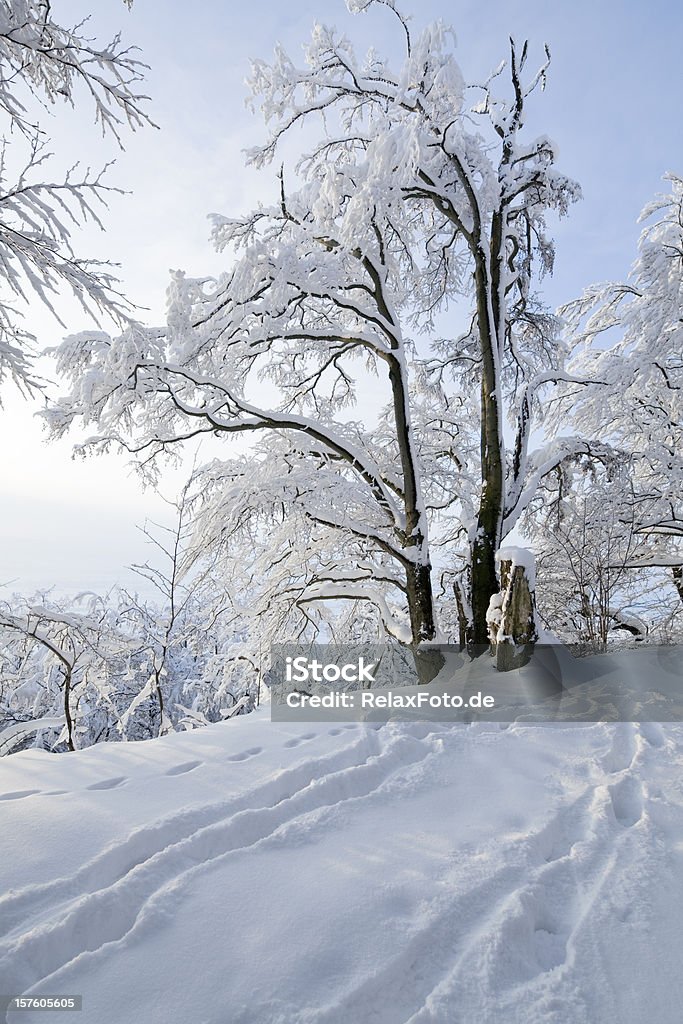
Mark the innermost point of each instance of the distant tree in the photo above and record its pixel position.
(583, 527)
(171, 631)
(94, 669)
(629, 337)
(66, 661)
(44, 63)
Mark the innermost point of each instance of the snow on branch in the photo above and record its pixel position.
(38, 215)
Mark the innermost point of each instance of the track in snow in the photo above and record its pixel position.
(45, 927)
(516, 925)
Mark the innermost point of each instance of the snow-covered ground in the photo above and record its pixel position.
(281, 873)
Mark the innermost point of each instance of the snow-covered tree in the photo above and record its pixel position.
(64, 664)
(421, 192)
(299, 308)
(463, 176)
(71, 676)
(628, 336)
(583, 524)
(183, 629)
(44, 63)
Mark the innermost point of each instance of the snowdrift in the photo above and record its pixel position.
(403, 873)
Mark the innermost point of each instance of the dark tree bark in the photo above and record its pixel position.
(428, 660)
(677, 573)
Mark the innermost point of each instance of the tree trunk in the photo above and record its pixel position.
(484, 586)
(67, 709)
(420, 603)
(677, 573)
(463, 621)
(484, 580)
(428, 663)
(428, 660)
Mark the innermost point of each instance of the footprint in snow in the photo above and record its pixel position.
(245, 754)
(623, 749)
(181, 769)
(300, 739)
(109, 783)
(627, 801)
(19, 794)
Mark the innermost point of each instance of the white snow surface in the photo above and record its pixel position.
(408, 873)
(523, 557)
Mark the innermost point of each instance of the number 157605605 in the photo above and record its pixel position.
(13, 1003)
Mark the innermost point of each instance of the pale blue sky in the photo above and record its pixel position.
(612, 105)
